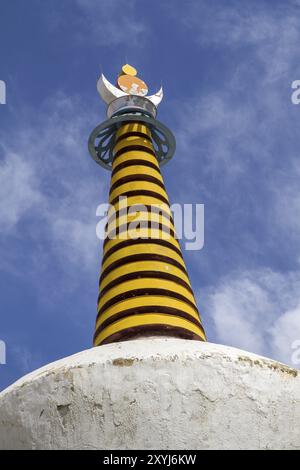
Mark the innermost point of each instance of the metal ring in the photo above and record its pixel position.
(102, 139)
(131, 104)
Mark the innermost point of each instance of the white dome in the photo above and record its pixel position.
(152, 393)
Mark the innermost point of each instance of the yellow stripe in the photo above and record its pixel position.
(145, 283)
(135, 154)
(127, 202)
(148, 319)
(147, 300)
(139, 218)
(143, 233)
(136, 138)
(137, 266)
(184, 305)
(137, 186)
(135, 141)
(142, 248)
(133, 127)
(136, 170)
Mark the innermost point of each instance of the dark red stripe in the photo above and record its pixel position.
(141, 292)
(141, 192)
(134, 162)
(148, 224)
(141, 257)
(127, 243)
(144, 310)
(137, 177)
(133, 134)
(130, 148)
(151, 330)
(131, 210)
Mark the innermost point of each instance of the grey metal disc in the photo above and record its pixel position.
(102, 139)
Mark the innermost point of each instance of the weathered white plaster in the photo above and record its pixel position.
(154, 393)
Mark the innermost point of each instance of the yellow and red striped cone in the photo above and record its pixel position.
(144, 287)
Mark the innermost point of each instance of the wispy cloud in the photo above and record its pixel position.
(239, 149)
(269, 34)
(245, 131)
(25, 358)
(19, 190)
(112, 22)
(109, 22)
(45, 181)
(257, 311)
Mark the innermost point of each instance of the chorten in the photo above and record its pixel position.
(144, 287)
(151, 381)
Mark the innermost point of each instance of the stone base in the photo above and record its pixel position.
(154, 393)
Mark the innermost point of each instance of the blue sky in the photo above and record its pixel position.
(227, 69)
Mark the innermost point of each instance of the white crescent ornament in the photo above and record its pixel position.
(109, 92)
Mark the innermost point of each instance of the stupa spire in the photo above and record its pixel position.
(144, 288)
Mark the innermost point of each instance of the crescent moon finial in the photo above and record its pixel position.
(129, 84)
(156, 99)
(108, 91)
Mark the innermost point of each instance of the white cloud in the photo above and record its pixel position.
(46, 180)
(99, 23)
(111, 22)
(245, 131)
(25, 358)
(245, 135)
(270, 34)
(228, 26)
(285, 332)
(19, 191)
(219, 126)
(257, 311)
(75, 239)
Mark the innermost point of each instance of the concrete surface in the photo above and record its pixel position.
(158, 393)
